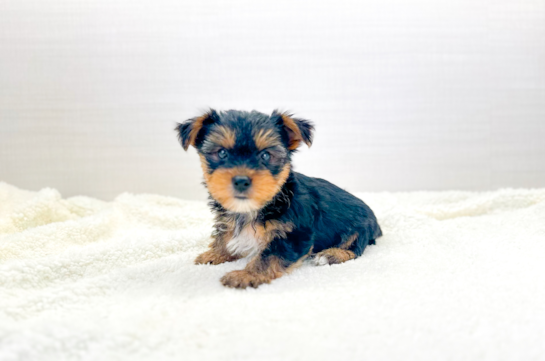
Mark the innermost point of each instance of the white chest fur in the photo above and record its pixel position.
(246, 243)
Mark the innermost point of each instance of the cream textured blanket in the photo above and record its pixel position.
(457, 276)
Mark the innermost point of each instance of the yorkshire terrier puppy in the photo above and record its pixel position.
(265, 210)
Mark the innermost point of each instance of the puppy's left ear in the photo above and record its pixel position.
(298, 130)
(189, 130)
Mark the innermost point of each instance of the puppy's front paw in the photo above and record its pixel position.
(210, 257)
(241, 279)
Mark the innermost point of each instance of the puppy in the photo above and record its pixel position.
(263, 209)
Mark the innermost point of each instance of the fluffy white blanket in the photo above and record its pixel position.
(457, 276)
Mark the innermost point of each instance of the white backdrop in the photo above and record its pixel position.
(406, 94)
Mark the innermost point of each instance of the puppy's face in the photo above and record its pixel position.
(245, 156)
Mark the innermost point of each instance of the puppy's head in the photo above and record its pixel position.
(245, 156)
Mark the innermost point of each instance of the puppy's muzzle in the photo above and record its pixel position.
(241, 183)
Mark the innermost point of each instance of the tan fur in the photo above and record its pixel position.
(196, 128)
(223, 136)
(264, 184)
(218, 252)
(336, 255)
(219, 184)
(258, 271)
(204, 164)
(204, 167)
(276, 229)
(215, 256)
(294, 132)
(266, 138)
(225, 225)
(270, 230)
(255, 237)
(349, 241)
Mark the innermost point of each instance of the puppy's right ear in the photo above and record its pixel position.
(189, 130)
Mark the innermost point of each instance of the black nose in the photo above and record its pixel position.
(241, 183)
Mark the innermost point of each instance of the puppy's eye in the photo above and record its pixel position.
(265, 156)
(222, 153)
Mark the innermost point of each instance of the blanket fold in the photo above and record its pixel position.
(457, 275)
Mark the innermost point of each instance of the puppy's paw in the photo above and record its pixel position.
(332, 256)
(321, 260)
(241, 279)
(211, 257)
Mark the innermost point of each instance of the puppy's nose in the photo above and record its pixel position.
(241, 183)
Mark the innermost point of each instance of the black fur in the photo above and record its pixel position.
(323, 215)
(243, 124)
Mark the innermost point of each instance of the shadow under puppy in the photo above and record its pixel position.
(263, 209)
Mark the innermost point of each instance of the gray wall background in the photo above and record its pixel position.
(406, 94)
